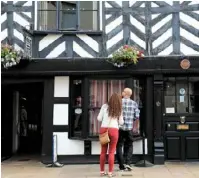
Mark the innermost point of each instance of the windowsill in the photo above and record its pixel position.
(67, 32)
(180, 114)
(96, 138)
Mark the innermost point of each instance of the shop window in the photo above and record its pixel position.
(100, 92)
(76, 108)
(194, 94)
(181, 95)
(87, 97)
(68, 15)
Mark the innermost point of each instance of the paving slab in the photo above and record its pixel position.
(34, 169)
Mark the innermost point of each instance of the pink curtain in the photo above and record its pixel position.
(100, 91)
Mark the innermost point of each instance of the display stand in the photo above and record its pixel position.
(55, 162)
(144, 162)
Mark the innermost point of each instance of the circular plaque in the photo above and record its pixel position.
(182, 91)
(185, 64)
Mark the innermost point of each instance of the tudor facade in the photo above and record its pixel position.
(69, 60)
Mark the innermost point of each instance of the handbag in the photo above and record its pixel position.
(104, 137)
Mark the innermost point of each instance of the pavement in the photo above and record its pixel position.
(35, 169)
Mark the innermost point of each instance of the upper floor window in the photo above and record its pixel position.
(68, 15)
(181, 95)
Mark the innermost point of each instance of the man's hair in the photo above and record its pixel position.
(128, 91)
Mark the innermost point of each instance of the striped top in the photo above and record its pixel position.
(105, 119)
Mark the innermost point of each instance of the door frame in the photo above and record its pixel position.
(47, 125)
(172, 116)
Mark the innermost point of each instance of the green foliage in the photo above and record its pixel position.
(10, 56)
(126, 55)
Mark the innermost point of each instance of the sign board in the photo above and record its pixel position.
(185, 64)
(183, 127)
(28, 47)
(170, 110)
(182, 91)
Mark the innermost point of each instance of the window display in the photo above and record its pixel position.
(181, 94)
(100, 91)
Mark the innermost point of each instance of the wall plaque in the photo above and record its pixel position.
(185, 64)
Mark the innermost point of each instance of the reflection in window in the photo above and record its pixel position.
(100, 92)
(71, 15)
(194, 94)
(88, 15)
(169, 102)
(170, 86)
(77, 108)
(181, 95)
(136, 96)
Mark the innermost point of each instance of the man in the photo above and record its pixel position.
(131, 115)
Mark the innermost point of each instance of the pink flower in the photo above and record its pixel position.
(140, 54)
(125, 47)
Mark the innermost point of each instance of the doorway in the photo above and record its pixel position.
(181, 118)
(6, 122)
(25, 120)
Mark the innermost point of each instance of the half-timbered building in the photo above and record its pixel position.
(61, 89)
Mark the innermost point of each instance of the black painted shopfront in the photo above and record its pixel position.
(170, 108)
(181, 117)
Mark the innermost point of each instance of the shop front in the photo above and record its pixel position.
(181, 117)
(75, 89)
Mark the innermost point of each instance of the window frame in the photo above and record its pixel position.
(59, 17)
(177, 95)
(85, 101)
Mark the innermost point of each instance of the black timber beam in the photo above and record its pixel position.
(82, 66)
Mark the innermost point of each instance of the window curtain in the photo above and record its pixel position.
(100, 92)
(43, 15)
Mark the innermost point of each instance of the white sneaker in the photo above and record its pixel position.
(128, 167)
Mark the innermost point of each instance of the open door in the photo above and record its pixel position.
(6, 121)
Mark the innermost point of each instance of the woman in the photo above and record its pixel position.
(111, 117)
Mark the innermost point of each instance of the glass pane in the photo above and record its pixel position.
(77, 108)
(88, 15)
(68, 15)
(94, 124)
(169, 104)
(137, 92)
(100, 91)
(181, 86)
(77, 90)
(194, 85)
(182, 104)
(77, 121)
(98, 97)
(47, 15)
(169, 86)
(194, 104)
(115, 86)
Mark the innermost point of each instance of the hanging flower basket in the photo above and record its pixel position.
(10, 57)
(125, 56)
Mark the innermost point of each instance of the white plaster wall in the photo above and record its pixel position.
(60, 111)
(137, 147)
(68, 147)
(60, 114)
(61, 86)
